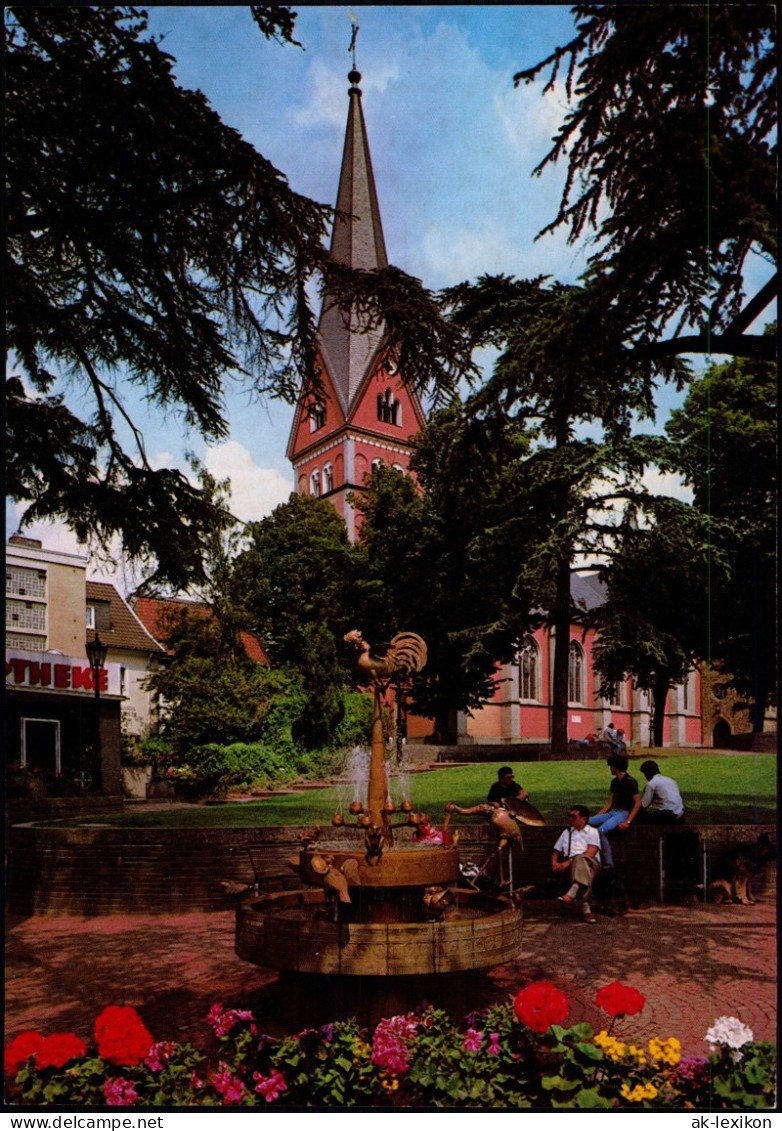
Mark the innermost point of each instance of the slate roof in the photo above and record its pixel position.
(151, 611)
(357, 242)
(588, 591)
(126, 631)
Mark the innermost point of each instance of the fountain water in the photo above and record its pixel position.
(375, 926)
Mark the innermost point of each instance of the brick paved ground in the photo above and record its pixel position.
(693, 963)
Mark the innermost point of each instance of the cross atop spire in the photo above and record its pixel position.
(354, 34)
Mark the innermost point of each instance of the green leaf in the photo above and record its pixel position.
(560, 1083)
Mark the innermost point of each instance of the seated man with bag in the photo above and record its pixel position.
(577, 852)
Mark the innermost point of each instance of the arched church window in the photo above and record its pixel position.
(575, 691)
(529, 670)
(377, 464)
(315, 483)
(328, 478)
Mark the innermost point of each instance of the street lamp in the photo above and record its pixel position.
(96, 654)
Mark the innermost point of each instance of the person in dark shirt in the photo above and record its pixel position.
(504, 787)
(619, 811)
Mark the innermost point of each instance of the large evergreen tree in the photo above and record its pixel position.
(670, 146)
(151, 251)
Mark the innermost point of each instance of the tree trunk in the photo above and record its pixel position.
(759, 706)
(559, 696)
(659, 699)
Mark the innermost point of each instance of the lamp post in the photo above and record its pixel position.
(96, 654)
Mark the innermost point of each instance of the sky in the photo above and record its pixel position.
(453, 143)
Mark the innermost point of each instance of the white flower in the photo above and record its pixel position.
(728, 1032)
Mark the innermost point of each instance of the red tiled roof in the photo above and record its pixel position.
(151, 611)
(126, 630)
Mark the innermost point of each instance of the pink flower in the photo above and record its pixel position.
(159, 1055)
(230, 1087)
(540, 1005)
(494, 1044)
(119, 1092)
(618, 1000)
(472, 1040)
(270, 1086)
(389, 1044)
(223, 1020)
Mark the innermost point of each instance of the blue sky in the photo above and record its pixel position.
(453, 146)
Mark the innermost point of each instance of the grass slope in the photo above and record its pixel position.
(717, 789)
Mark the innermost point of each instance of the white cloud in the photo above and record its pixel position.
(531, 118)
(255, 491)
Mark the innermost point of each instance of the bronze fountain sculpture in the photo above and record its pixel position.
(375, 926)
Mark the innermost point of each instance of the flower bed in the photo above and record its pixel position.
(513, 1055)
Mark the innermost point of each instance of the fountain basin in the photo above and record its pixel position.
(294, 931)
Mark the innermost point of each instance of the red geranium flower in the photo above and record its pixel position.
(122, 1036)
(618, 1000)
(20, 1049)
(59, 1049)
(539, 1005)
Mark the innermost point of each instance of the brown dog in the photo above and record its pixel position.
(734, 872)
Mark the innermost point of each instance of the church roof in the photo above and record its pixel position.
(357, 242)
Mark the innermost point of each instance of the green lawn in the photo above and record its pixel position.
(717, 789)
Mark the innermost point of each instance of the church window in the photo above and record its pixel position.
(575, 691)
(529, 667)
(328, 478)
(616, 694)
(377, 464)
(315, 483)
(389, 410)
(317, 416)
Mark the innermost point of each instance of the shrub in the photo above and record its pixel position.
(495, 1061)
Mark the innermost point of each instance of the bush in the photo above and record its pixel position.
(495, 1061)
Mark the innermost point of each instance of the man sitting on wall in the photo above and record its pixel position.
(504, 787)
(577, 852)
(661, 801)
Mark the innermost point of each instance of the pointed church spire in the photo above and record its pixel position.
(357, 242)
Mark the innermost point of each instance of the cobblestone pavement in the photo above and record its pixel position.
(693, 963)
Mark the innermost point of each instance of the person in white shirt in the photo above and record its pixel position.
(577, 852)
(661, 801)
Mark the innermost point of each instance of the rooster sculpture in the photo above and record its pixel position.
(404, 655)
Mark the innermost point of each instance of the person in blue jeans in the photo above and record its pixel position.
(619, 811)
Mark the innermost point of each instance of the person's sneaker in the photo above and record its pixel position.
(568, 899)
(590, 918)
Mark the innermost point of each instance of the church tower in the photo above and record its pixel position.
(364, 414)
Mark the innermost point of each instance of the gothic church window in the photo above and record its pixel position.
(328, 478)
(575, 692)
(315, 483)
(529, 666)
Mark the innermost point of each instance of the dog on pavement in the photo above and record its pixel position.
(734, 872)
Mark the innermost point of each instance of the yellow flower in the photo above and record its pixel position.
(668, 1052)
(639, 1093)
